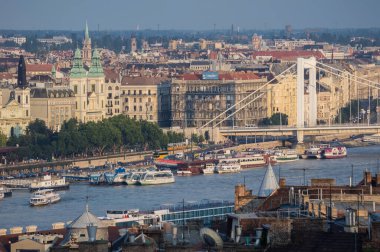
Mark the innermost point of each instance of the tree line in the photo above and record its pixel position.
(116, 134)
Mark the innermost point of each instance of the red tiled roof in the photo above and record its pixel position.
(288, 55)
(6, 76)
(39, 67)
(238, 76)
(223, 76)
(142, 80)
(191, 76)
(111, 74)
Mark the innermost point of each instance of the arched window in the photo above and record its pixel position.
(109, 88)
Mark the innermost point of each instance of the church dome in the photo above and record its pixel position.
(86, 219)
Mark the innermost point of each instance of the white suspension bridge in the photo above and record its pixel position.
(306, 123)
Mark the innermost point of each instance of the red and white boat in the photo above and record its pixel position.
(334, 152)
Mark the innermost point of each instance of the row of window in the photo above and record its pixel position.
(140, 92)
(140, 100)
(140, 108)
(93, 88)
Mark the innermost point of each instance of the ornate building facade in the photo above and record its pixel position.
(89, 89)
(196, 99)
(15, 104)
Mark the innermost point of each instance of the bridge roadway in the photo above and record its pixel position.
(300, 132)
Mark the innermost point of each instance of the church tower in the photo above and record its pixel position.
(96, 89)
(86, 51)
(78, 83)
(133, 44)
(22, 90)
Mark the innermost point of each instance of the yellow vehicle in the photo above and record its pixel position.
(177, 146)
(160, 154)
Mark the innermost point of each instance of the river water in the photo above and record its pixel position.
(15, 211)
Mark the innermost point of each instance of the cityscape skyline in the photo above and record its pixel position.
(189, 15)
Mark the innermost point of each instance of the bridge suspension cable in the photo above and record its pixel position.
(245, 105)
(245, 98)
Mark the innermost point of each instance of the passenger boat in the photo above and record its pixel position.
(96, 178)
(116, 177)
(228, 166)
(48, 182)
(252, 161)
(6, 192)
(314, 152)
(44, 197)
(133, 178)
(184, 172)
(193, 167)
(334, 152)
(156, 178)
(286, 155)
(204, 210)
(209, 168)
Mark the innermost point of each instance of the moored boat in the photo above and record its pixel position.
(48, 182)
(156, 178)
(286, 155)
(209, 168)
(230, 165)
(133, 178)
(334, 152)
(6, 192)
(314, 152)
(116, 177)
(252, 161)
(44, 197)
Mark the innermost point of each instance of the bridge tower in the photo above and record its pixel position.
(309, 64)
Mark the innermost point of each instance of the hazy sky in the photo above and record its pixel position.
(187, 14)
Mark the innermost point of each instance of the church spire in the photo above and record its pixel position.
(86, 51)
(86, 35)
(21, 74)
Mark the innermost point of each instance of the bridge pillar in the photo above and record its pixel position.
(300, 136)
(303, 64)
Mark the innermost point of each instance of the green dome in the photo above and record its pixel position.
(96, 69)
(77, 71)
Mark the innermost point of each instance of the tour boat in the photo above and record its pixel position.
(96, 178)
(184, 172)
(194, 167)
(116, 177)
(5, 191)
(252, 161)
(48, 182)
(334, 152)
(286, 155)
(228, 166)
(44, 197)
(314, 152)
(209, 168)
(156, 178)
(133, 178)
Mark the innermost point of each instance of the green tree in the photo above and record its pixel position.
(3, 139)
(207, 135)
(279, 119)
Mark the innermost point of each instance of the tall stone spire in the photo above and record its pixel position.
(86, 36)
(21, 74)
(86, 51)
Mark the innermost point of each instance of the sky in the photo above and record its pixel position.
(187, 14)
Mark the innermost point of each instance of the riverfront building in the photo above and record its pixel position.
(198, 98)
(15, 104)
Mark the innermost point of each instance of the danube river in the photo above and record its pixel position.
(15, 211)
